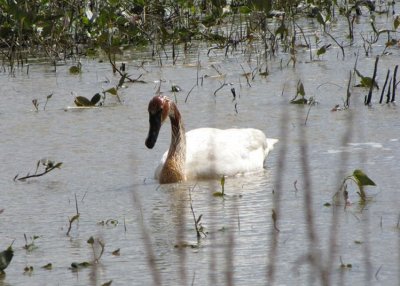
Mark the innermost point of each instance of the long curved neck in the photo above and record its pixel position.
(174, 166)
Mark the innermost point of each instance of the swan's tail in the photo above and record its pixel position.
(270, 144)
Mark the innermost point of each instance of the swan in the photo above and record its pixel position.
(205, 152)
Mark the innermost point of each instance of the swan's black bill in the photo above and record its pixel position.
(155, 125)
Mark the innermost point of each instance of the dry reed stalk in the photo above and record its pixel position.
(273, 254)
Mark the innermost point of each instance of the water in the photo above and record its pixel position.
(109, 170)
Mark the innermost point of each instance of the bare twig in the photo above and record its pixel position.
(48, 170)
(369, 97)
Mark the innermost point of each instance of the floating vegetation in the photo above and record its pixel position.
(83, 101)
(30, 246)
(75, 266)
(116, 252)
(108, 222)
(77, 69)
(48, 266)
(28, 269)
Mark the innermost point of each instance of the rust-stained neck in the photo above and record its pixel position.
(174, 166)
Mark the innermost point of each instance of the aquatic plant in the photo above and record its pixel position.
(361, 180)
(30, 246)
(73, 218)
(222, 192)
(82, 101)
(197, 220)
(35, 102)
(96, 242)
(5, 258)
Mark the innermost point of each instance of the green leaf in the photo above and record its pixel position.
(218, 194)
(90, 240)
(48, 266)
(6, 257)
(362, 179)
(95, 99)
(321, 51)
(82, 101)
(396, 22)
(299, 101)
(112, 91)
(300, 89)
(107, 283)
(74, 70)
(58, 165)
(321, 19)
(282, 30)
(244, 10)
(116, 252)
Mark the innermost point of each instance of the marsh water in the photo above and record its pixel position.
(108, 173)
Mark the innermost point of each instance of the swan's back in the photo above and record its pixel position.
(212, 153)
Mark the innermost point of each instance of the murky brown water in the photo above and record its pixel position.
(108, 168)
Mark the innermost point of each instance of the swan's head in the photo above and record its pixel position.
(158, 112)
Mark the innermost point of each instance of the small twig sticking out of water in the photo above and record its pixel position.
(47, 99)
(377, 272)
(337, 43)
(246, 75)
(197, 68)
(218, 89)
(398, 221)
(84, 196)
(394, 83)
(76, 205)
(75, 217)
(295, 187)
(275, 220)
(304, 37)
(389, 91)
(187, 96)
(35, 104)
(348, 92)
(369, 97)
(233, 93)
(196, 220)
(151, 257)
(384, 86)
(71, 220)
(48, 169)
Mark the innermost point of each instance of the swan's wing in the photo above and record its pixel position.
(214, 152)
